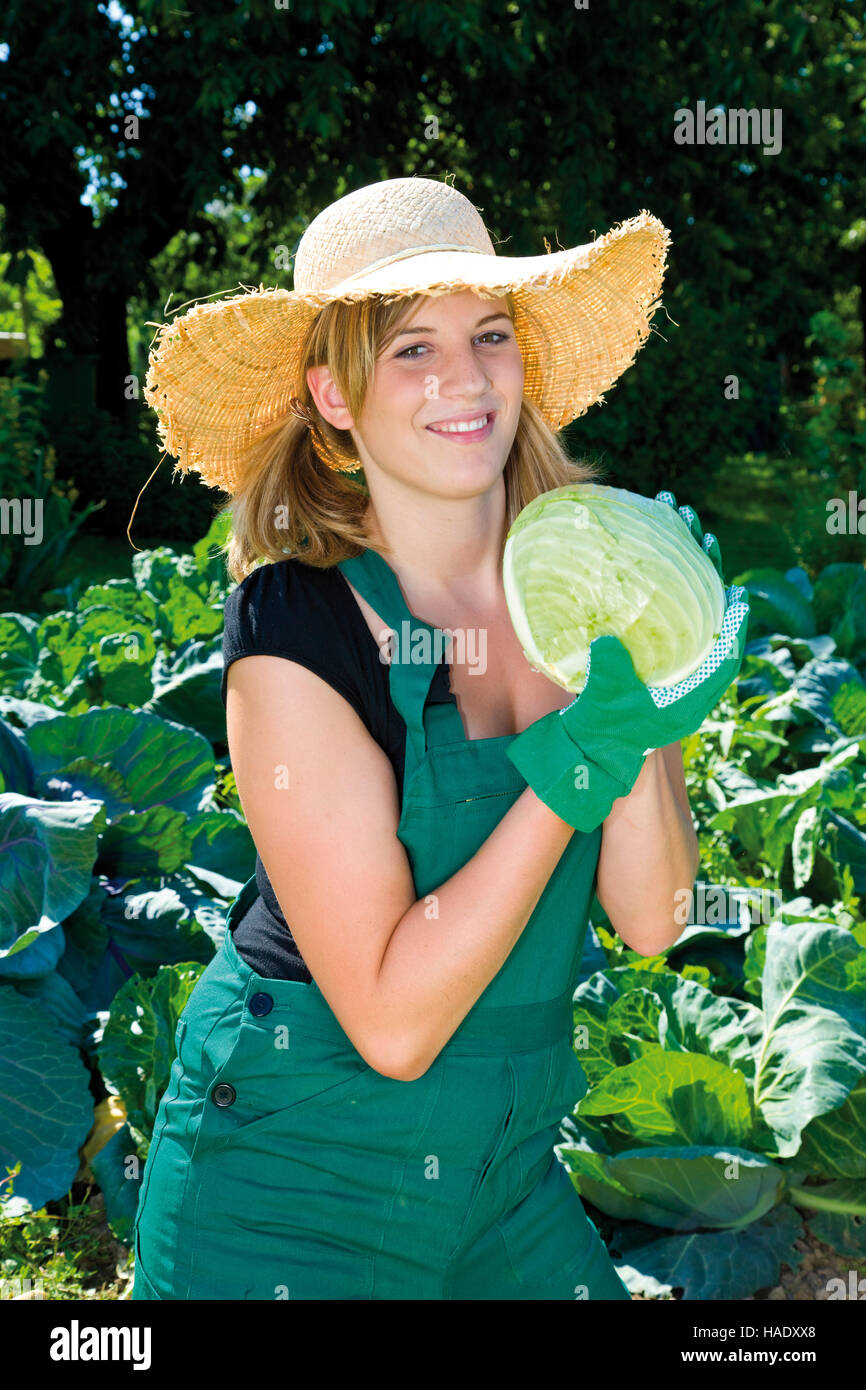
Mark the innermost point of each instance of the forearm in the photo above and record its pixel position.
(446, 949)
(649, 852)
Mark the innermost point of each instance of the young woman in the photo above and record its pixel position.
(371, 1072)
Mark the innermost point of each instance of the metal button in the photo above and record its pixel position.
(261, 1004)
(224, 1094)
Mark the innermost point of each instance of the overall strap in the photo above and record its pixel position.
(416, 651)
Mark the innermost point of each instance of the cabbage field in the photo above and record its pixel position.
(727, 1099)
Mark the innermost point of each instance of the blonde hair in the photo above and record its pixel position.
(294, 504)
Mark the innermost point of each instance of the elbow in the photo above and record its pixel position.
(415, 1071)
(650, 943)
(401, 1073)
(650, 938)
(411, 1069)
(398, 1064)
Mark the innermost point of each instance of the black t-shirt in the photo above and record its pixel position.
(309, 615)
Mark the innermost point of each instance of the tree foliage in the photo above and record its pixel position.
(208, 139)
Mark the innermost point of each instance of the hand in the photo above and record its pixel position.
(617, 695)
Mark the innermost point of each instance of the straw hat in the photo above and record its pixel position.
(221, 372)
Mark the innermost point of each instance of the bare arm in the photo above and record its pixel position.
(321, 802)
(649, 852)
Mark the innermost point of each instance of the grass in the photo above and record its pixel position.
(64, 1251)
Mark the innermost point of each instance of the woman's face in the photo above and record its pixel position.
(442, 407)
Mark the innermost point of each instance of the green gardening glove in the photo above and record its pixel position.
(580, 759)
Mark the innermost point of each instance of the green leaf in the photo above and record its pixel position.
(592, 1001)
(800, 580)
(696, 1020)
(633, 1022)
(761, 819)
(19, 648)
(813, 1052)
(37, 959)
(834, 1144)
(47, 852)
(155, 841)
(86, 942)
(117, 1169)
(848, 709)
(840, 607)
(777, 605)
(185, 589)
(843, 1195)
(25, 713)
(675, 1096)
(60, 1002)
(153, 925)
(684, 1188)
(187, 688)
(85, 778)
(125, 660)
(162, 763)
(129, 604)
(16, 768)
(846, 1234)
(847, 847)
(709, 1265)
(185, 614)
(138, 1044)
(220, 842)
(830, 690)
(47, 1107)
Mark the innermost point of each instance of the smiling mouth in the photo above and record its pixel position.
(465, 429)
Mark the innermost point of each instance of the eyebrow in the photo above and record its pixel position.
(417, 328)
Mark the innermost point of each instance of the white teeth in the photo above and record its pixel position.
(462, 426)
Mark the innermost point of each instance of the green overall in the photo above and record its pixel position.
(283, 1166)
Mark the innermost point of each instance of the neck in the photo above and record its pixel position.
(442, 550)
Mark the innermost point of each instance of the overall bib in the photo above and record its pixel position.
(283, 1166)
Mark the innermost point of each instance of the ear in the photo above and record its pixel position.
(329, 402)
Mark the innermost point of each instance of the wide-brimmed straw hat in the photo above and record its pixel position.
(223, 371)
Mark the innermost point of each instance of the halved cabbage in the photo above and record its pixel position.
(586, 560)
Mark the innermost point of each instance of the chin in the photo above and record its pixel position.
(467, 465)
(468, 481)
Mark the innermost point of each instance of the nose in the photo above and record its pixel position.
(463, 374)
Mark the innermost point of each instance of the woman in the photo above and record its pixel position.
(365, 1106)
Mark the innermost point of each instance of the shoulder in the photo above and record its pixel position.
(307, 614)
(269, 584)
(284, 601)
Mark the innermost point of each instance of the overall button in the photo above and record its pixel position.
(224, 1094)
(261, 1004)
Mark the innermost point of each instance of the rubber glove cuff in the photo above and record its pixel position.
(579, 788)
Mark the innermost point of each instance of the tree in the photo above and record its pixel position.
(557, 122)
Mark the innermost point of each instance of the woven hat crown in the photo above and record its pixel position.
(385, 223)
